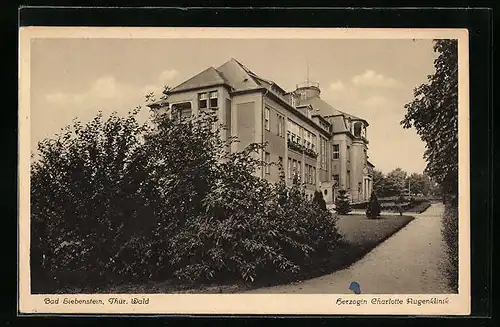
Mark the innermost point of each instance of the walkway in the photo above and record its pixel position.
(409, 262)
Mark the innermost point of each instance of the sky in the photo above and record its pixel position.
(372, 79)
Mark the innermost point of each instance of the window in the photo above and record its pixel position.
(322, 153)
(348, 154)
(202, 101)
(299, 168)
(266, 120)
(181, 110)
(313, 141)
(357, 129)
(267, 159)
(348, 180)
(281, 126)
(213, 100)
(310, 174)
(295, 132)
(308, 139)
(290, 171)
(336, 151)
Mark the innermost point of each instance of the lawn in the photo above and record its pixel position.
(360, 236)
(360, 232)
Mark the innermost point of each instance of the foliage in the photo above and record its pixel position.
(419, 184)
(113, 201)
(434, 114)
(396, 181)
(450, 234)
(319, 200)
(87, 204)
(342, 203)
(374, 208)
(380, 183)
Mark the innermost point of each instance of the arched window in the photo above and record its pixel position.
(358, 127)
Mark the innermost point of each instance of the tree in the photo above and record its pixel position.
(380, 183)
(113, 201)
(87, 196)
(419, 183)
(319, 200)
(395, 182)
(342, 203)
(374, 208)
(434, 114)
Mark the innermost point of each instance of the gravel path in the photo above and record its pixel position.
(409, 262)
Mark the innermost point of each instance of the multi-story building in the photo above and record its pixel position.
(323, 148)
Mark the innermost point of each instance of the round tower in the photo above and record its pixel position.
(308, 90)
(359, 149)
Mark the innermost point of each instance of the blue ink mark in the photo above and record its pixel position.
(355, 288)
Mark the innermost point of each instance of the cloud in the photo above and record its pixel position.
(377, 101)
(64, 98)
(104, 88)
(374, 79)
(107, 87)
(337, 86)
(167, 76)
(107, 90)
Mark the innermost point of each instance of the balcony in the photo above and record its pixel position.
(292, 145)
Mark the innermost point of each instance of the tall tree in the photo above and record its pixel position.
(434, 114)
(396, 181)
(419, 183)
(380, 184)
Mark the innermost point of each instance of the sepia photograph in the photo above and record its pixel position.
(246, 165)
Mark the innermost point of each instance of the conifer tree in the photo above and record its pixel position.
(373, 210)
(342, 203)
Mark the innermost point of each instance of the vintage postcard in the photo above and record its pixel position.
(243, 171)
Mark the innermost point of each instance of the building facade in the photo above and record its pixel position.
(315, 144)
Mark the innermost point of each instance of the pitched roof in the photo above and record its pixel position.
(351, 116)
(209, 76)
(237, 75)
(321, 107)
(247, 78)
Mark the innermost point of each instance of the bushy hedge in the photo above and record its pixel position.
(115, 202)
(450, 235)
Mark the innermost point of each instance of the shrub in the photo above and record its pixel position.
(319, 200)
(342, 203)
(89, 212)
(450, 235)
(374, 208)
(116, 202)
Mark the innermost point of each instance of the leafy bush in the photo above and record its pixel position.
(89, 205)
(450, 235)
(116, 202)
(342, 203)
(374, 208)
